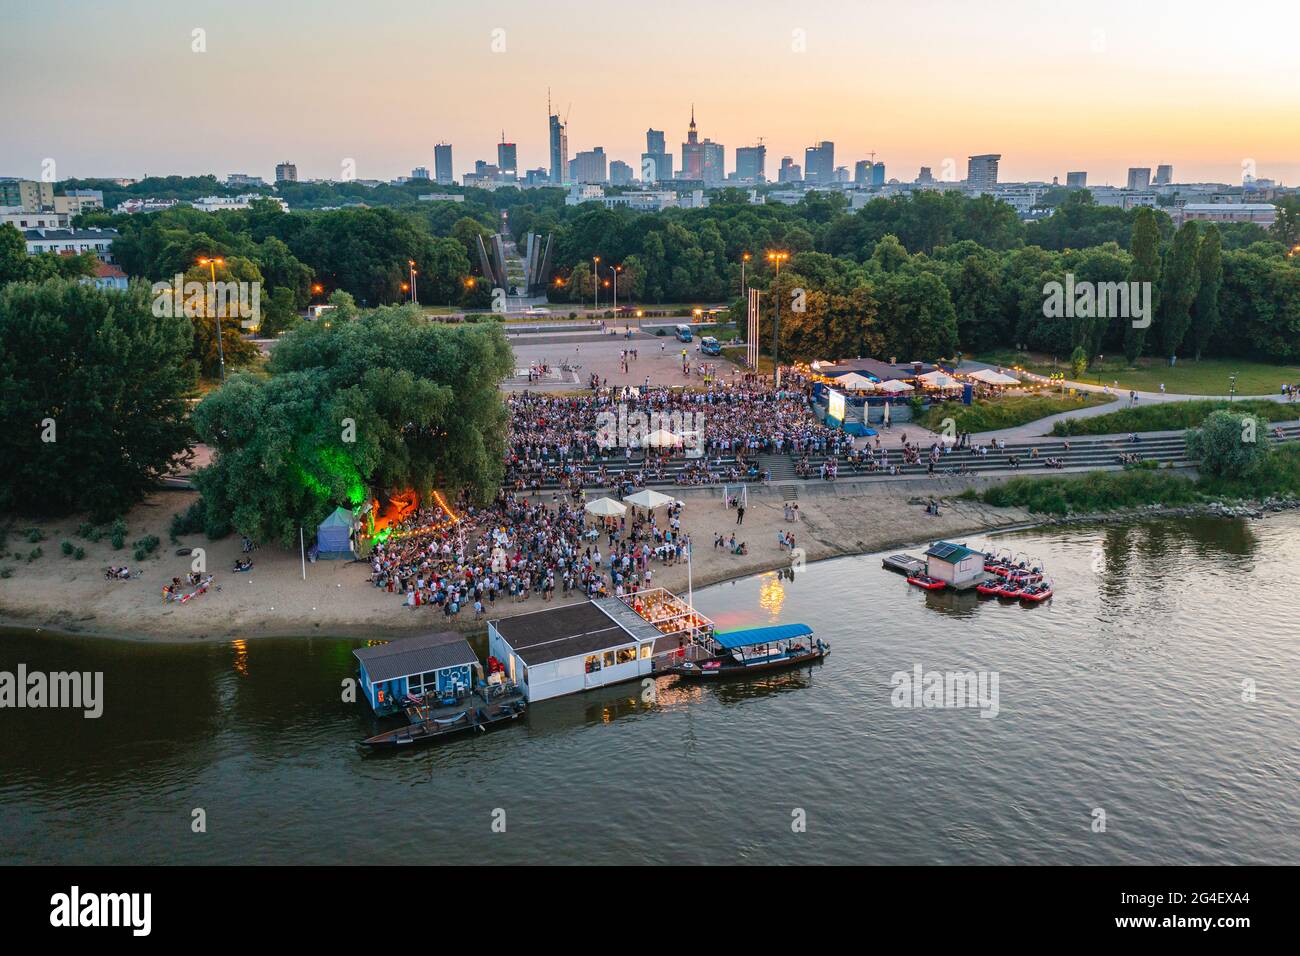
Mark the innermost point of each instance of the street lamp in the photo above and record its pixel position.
(212, 264)
(410, 264)
(595, 274)
(777, 258)
(743, 259)
(616, 270)
(1232, 385)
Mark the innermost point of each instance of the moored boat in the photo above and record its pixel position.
(926, 582)
(754, 650)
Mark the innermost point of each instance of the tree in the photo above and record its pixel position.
(92, 386)
(1078, 362)
(1228, 445)
(352, 409)
(1205, 311)
(1179, 287)
(1145, 249)
(206, 308)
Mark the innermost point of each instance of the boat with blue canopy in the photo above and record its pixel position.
(754, 649)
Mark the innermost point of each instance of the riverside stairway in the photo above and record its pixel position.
(1167, 449)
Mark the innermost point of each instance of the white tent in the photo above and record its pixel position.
(662, 437)
(857, 383)
(990, 377)
(894, 385)
(649, 499)
(938, 379)
(606, 507)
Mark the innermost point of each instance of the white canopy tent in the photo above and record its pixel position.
(649, 499)
(938, 379)
(856, 383)
(894, 386)
(606, 508)
(662, 437)
(990, 377)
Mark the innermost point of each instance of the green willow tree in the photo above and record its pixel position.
(1145, 249)
(92, 386)
(387, 402)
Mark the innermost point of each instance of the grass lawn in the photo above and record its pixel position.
(1168, 416)
(990, 414)
(1206, 377)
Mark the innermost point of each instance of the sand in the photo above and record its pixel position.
(58, 593)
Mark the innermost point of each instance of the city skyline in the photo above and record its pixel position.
(792, 78)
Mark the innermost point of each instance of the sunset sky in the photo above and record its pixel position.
(115, 89)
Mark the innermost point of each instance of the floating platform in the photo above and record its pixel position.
(904, 564)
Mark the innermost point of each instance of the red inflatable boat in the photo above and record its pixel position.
(926, 582)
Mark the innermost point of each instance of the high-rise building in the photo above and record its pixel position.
(1076, 180)
(506, 158)
(656, 161)
(559, 140)
(1164, 175)
(421, 173)
(620, 173)
(27, 194)
(925, 177)
(982, 171)
(442, 170)
(692, 152)
(790, 171)
(862, 172)
(589, 166)
(1139, 177)
(286, 172)
(751, 163)
(877, 174)
(819, 163)
(715, 161)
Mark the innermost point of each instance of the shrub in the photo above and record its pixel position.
(1229, 445)
(78, 553)
(34, 554)
(35, 534)
(189, 521)
(66, 547)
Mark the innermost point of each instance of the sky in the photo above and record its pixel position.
(128, 88)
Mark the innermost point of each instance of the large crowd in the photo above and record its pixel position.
(519, 548)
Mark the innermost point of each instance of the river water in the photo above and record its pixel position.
(1124, 696)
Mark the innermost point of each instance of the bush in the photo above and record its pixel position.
(34, 554)
(78, 553)
(189, 521)
(1095, 491)
(35, 534)
(7, 573)
(1168, 416)
(117, 534)
(141, 554)
(66, 547)
(1229, 445)
(148, 544)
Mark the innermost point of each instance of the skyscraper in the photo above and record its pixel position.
(656, 161)
(862, 172)
(559, 140)
(507, 162)
(925, 177)
(715, 161)
(982, 171)
(442, 170)
(790, 171)
(819, 163)
(1164, 175)
(692, 152)
(1076, 180)
(286, 172)
(1139, 177)
(751, 163)
(877, 174)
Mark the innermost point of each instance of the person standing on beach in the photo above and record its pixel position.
(740, 515)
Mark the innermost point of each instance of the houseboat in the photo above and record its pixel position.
(438, 684)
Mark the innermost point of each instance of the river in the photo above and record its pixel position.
(1124, 696)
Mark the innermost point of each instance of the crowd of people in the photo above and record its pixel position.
(518, 548)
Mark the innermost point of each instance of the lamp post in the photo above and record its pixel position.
(595, 274)
(616, 270)
(410, 264)
(777, 258)
(212, 264)
(1232, 385)
(744, 257)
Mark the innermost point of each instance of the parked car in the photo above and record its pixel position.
(710, 346)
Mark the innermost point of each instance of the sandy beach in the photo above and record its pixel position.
(57, 593)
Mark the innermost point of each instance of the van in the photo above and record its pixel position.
(683, 333)
(710, 346)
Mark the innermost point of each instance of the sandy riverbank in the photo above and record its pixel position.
(58, 593)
